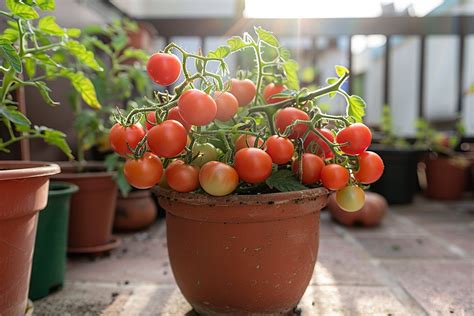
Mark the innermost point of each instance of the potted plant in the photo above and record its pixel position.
(443, 171)
(399, 182)
(26, 46)
(242, 229)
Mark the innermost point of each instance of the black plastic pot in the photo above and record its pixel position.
(399, 182)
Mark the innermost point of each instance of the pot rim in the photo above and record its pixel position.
(82, 175)
(251, 199)
(61, 188)
(16, 169)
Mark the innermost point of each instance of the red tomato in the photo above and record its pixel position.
(197, 107)
(350, 198)
(145, 172)
(272, 89)
(150, 120)
(312, 166)
(244, 90)
(314, 144)
(174, 114)
(227, 105)
(286, 116)
(370, 167)
(253, 165)
(246, 141)
(358, 137)
(334, 177)
(167, 139)
(121, 138)
(280, 149)
(182, 177)
(218, 179)
(164, 69)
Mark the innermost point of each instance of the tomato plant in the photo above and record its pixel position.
(145, 172)
(370, 167)
(123, 138)
(182, 177)
(281, 149)
(270, 90)
(315, 144)
(311, 167)
(218, 178)
(174, 114)
(334, 176)
(356, 137)
(285, 117)
(247, 141)
(253, 165)
(227, 105)
(197, 107)
(167, 139)
(203, 153)
(243, 90)
(164, 69)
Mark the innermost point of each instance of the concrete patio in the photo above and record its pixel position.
(419, 262)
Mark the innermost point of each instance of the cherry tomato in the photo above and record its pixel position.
(197, 107)
(281, 149)
(174, 114)
(334, 176)
(286, 116)
(246, 141)
(350, 198)
(227, 105)
(253, 165)
(244, 90)
(150, 120)
(207, 152)
(218, 179)
(272, 89)
(370, 167)
(312, 166)
(121, 137)
(145, 172)
(164, 69)
(314, 143)
(358, 137)
(182, 177)
(167, 139)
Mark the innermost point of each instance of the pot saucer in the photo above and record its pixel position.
(115, 242)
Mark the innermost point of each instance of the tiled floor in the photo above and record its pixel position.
(418, 262)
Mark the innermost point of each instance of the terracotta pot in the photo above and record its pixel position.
(92, 208)
(136, 211)
(446, 178)
(23, 192)
(245, 254)
(371, 214)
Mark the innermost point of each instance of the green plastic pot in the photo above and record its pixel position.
(49, 258)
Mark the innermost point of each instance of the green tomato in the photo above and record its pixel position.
(207, 152)
(351, 198)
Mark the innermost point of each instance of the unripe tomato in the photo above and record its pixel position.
(314, 143)
(272, 89)
(197, 107)
(145, 172)
(370, 167)
(312, 166)
(285, 117)
(218, 179)
(350, 198)
(227, 105)
(246, 141)
(253, 165)
(281, 149)
(244, 90)
(182, 177)
(207, 152)
(334, 176)
(357, 136)
(164, 69)
(174, 114)
(167, 139)
(121, 137)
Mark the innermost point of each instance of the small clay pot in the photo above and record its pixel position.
(446, 178)
(23, 193)
(136, 211)
(371, 214)
(243, 254)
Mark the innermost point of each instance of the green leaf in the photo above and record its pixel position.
(82, 54)
(10, 54)
(22, 10)
(73, 32)
(356, 107)
(46, 4)
(44, 91)
(84, 86)
(284, 181)
(135, 53)
(58, 139)
(285, 53)
(15, 116)
(236, 43)
(10, 34)
(341, 71)
(30, 67)
(220, 52)
(331, 80)
(267, 37)
(119, 42)
(291, 70)
(48, 25)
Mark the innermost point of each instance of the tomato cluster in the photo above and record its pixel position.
(174, 150)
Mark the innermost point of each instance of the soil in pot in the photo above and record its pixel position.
(23, 192)
(446, 178)
(245, 254)
(136, 211)
(92, 208)
(49, 259)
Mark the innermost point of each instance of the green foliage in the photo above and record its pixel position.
(284, 181)
(428, 138)
(114, 162)
(387, 129)
(356, 107)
